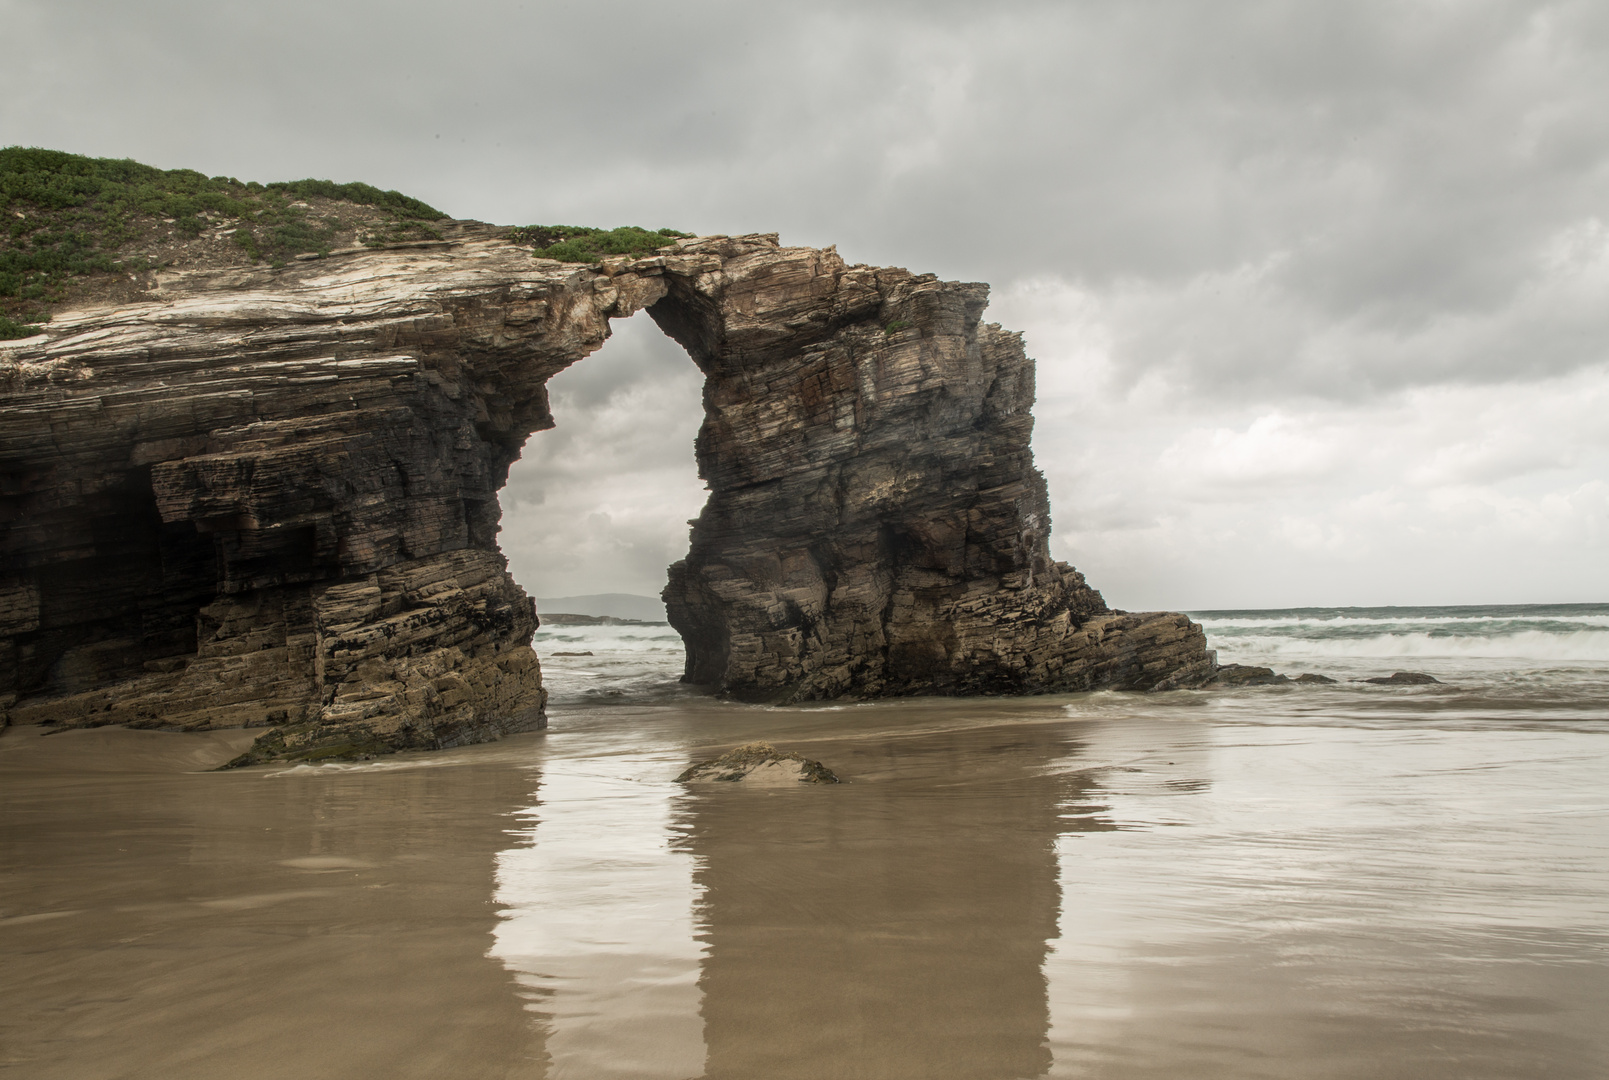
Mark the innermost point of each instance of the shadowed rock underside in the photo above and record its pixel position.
(269, 497)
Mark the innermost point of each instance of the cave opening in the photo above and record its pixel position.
(121, 601)
(597, 508)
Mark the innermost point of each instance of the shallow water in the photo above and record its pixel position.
(1347, 881)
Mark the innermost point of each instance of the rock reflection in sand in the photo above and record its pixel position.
(598, 923)
(1101, 886)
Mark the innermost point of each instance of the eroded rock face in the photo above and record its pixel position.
(875, 523)
(269, 497)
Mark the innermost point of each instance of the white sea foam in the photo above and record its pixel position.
(1531, 635)
(1349, 621)
(1528, 645)
(636, 664)
(649, 638)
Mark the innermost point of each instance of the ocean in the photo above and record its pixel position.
(1493, 659)
(1335, 881)
(1463, 641)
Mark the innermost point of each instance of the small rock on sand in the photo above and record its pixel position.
(1403, 678)
(761, 764)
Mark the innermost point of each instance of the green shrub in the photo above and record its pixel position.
(581, 244)
(10, 329)
(398, 204)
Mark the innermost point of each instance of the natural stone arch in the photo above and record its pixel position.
(315, 455)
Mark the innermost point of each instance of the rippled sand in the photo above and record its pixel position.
(1266, 883)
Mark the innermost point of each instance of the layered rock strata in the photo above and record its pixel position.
(269, 497)
(875, 523)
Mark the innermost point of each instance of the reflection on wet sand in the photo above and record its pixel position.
(157, 921)
(892, 926)
(598, 920)
(1097, 886)
(1025, 890)
(1279, 903)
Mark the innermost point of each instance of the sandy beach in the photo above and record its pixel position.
(1274, 882)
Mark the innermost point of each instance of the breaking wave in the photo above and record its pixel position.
(1530, 634)
(606, 665)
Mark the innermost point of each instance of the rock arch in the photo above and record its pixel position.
(269, 497)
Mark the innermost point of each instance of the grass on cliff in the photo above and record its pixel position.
(580, 244)
(11, 329)
(65, 218)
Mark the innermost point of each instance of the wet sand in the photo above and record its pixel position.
(157, 921)
(1104, 886)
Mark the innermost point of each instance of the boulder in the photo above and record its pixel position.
(760, 764)
(1246, 675)
(1403, 678)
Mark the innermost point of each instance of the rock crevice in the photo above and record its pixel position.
(269, 497)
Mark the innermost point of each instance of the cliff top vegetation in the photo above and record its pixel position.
(582, 244)
(77, 229)
(70, 223)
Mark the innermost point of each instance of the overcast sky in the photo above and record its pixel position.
(1319, 292)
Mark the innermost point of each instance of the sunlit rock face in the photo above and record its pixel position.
(269, 497)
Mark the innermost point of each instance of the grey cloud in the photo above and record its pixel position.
(1263, 205)
(635, 354)
(600, 503)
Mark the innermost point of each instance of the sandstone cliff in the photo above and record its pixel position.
(269, 497)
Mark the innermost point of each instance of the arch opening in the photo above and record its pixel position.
(597, 508)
